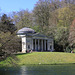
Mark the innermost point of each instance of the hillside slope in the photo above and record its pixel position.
(36, 58)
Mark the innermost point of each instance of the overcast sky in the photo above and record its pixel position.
(7, 6)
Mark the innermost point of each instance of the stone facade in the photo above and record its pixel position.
(35, 41)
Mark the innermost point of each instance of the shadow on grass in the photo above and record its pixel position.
(22, 54)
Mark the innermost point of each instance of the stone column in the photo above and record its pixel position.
(24, 44)
(32, 44)
(42, 44)
(38, 44)
(35, 44)
(52, 46)
(45, 45)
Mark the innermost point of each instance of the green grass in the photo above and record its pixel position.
(36, 58)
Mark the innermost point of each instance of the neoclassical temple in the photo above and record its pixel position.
(35, 41)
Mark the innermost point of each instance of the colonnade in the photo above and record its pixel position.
(39, 44)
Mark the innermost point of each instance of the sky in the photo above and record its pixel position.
(7, 6)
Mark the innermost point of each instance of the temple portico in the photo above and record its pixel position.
(39, 44)
(35, 41)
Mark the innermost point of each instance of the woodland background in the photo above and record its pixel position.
(54, 18)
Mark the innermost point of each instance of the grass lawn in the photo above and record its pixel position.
(36, 58)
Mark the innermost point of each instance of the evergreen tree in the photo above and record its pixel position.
(6, 24)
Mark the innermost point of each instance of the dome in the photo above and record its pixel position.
(25, 30)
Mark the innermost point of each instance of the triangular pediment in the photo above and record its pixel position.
(39, 35)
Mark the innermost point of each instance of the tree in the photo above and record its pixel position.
(7, 30)
(72, 34)
(65, 17)
(61, 38)
(9, 44)
(6, 24)
(45, 17)
(42, 14)
(22, 19)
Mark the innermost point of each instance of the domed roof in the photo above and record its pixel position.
(25, 30)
